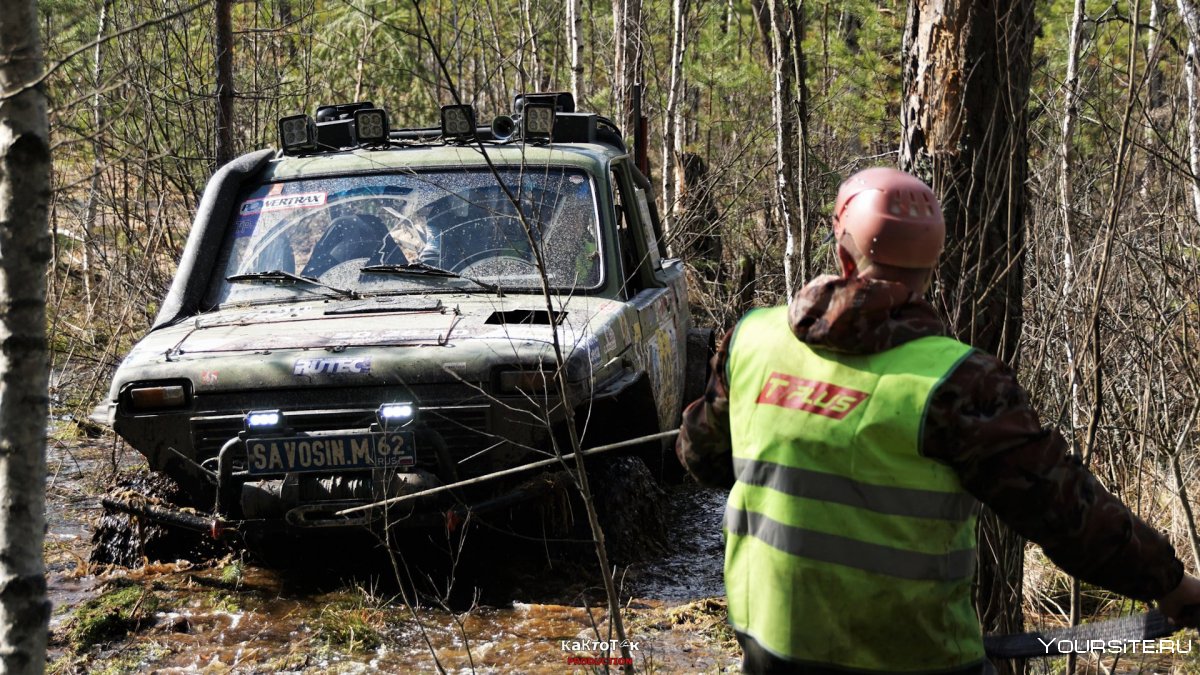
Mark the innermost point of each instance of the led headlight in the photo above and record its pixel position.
(297, 133)
(264, 420)
(458, 121)
(371, 125)
(392, 415)
(537, 122)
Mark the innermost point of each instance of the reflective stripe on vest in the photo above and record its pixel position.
(844, 546)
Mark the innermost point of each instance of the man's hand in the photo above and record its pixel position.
(1182, 605)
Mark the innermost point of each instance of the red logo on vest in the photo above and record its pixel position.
(821, 398)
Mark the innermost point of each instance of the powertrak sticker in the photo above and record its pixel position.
(305, 200)
(319, 366)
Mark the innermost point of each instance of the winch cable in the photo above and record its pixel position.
(514, 470)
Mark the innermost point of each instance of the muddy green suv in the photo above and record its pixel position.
(371, 313)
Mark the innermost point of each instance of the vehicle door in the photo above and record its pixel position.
(655, 286)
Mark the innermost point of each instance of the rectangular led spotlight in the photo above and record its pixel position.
(458, 121)
(264, 420)
(537, 122)
(371, 125)
(297, 133)
(392, 415)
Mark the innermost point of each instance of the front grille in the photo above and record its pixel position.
(462, 421)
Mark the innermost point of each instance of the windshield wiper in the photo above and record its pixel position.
(279, 276)
(428, 270)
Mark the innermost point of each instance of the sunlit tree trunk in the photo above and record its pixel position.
(1066, 151)
(1191, 20)
(24, 372)
(627, 70)
(966, 75)
(90, 210)
(575, 46)
(783, 112)
(672, 133)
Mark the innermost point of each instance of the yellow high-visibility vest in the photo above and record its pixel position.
(844, 546)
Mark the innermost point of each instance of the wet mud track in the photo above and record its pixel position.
(506, 609)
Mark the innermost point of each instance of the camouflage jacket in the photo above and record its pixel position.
(980, 423)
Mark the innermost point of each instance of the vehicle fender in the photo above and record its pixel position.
(204, 241)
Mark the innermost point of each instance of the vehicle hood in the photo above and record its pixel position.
(397, 339)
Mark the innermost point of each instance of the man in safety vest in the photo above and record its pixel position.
(859, 441)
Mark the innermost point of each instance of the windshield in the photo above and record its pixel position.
(382, 234)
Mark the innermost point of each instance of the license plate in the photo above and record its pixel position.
(330, 452)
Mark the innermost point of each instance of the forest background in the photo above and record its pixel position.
(754, 111)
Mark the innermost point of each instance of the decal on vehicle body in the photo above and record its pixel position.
(322, 365)
(304, 200)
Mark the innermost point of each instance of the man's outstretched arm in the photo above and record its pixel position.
(981, 423)
(703, 446)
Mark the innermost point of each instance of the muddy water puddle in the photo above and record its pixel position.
(231, 616)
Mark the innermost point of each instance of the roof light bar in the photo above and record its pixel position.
(458, 122)
(537, 122)
(371, 125)
(297, 133)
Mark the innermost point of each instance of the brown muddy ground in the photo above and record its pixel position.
(341, 610)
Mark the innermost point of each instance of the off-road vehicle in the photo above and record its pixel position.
(363, 314)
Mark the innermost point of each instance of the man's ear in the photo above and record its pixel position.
(846, 262)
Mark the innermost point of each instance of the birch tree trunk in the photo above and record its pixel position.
(24, 371)
(90, 210)
(627, 70)
(964, 115)
(1155, 97)
(575, 46)
(672, 133)
(224, 51)
(1067, 149)
(783, 111)
(1191, 20)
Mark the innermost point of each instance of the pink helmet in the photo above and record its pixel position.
(892, 217)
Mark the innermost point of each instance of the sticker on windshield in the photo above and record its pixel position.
(306, 200)
(245, 226)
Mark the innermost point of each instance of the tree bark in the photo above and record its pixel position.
(1191, 20)
(966, 75)
(93, 199)
(575, 46)
(627, 70)
(783, 112)
(798, 250)
(24, 370)
(1066, 151)
(671, 119)
(224, 50)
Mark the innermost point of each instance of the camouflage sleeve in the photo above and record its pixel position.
(981, 423)
(704, 447)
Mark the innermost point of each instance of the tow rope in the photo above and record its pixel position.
(1089, 637)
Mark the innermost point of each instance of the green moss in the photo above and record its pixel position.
(111, 616)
